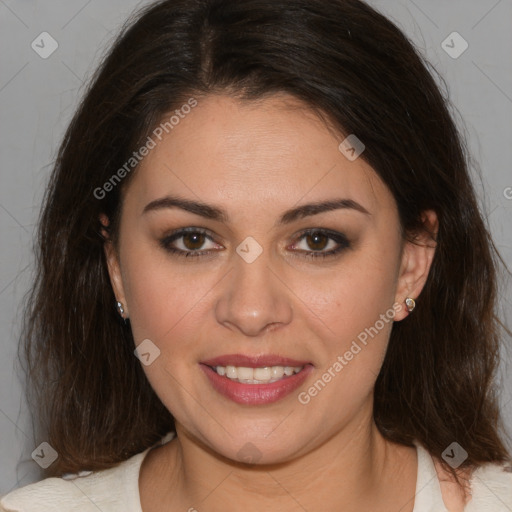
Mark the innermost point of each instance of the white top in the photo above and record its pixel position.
(117, 489)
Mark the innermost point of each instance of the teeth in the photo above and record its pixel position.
(244, 373)
(260, 373)
(288, 371)
(277, 372)
(264, 375)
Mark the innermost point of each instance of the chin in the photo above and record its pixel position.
(254, 448)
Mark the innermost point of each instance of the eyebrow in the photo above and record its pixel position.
(218, 214)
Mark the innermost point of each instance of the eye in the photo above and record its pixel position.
(188, 242)
(321, 243)
(313, 243)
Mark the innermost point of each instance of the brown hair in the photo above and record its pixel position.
(355, 67)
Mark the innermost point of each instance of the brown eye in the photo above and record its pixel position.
(193, 240)
(316, 243)
(317, 240)
(189, 242)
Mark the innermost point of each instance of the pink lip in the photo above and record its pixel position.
(253, 361)
(256, 394)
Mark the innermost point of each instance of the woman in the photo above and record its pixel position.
(271, 286)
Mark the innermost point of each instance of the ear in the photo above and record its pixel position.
(417, 257)
(113, 265)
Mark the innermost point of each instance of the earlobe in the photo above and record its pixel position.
(114, 269)
(417, 257)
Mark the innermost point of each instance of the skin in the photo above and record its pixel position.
(256, 160)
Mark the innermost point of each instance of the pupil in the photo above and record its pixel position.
(317, 238)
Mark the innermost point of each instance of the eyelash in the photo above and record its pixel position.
(339, 238)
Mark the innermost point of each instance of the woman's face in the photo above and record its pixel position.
(246, 287)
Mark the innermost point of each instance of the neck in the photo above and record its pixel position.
(356, 468)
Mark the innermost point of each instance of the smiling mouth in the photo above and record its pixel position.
(261, 375)
(261, 381)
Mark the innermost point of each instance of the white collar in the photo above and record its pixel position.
(428, 496)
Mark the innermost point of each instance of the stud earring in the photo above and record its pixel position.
(410, 304)
(120, 308)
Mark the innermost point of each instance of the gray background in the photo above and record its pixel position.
(38, 97)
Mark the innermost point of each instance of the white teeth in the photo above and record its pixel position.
(277, 372)
(264, 375)
(260, 373)
(244, 373)
(231, 372)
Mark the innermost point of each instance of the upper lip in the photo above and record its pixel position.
(253, 361)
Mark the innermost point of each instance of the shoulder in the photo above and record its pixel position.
(46, 495)
(110, 490)
(488, 488)
(491, 487)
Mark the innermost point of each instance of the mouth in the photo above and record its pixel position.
(255, 380)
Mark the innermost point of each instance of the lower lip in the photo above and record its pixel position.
(256, 394)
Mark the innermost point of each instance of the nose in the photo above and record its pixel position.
(254, 299)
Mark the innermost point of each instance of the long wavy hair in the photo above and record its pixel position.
(354, 67)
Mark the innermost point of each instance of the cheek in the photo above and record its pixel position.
(352, 296)
(356, 312)
(166, 306)
(161, 295)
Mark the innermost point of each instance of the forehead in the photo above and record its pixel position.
(248, 154)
